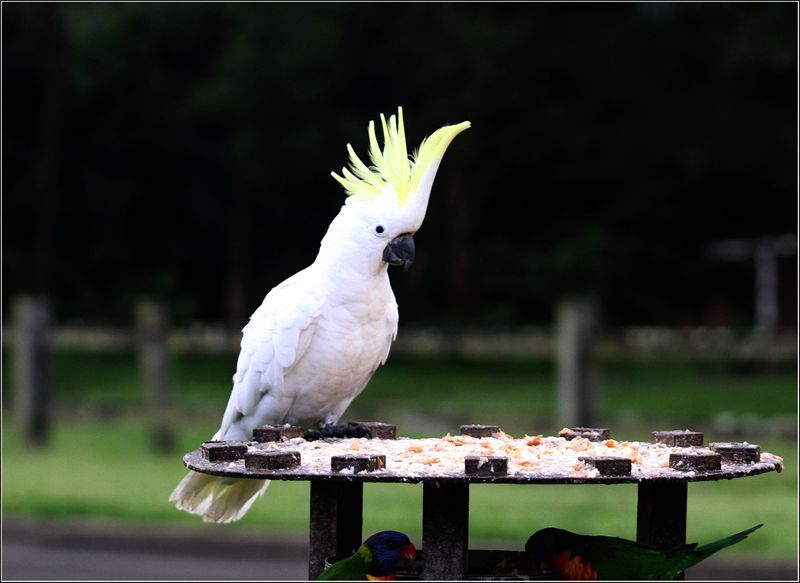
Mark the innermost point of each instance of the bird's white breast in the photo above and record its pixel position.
(350, 339)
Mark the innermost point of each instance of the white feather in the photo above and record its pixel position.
(308, 350)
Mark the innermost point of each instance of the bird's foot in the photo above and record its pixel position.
(348, 430)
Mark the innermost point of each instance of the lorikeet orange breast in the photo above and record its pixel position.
(573, 567)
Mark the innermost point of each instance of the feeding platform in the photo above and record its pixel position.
(482, 454)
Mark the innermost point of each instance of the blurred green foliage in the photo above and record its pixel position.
(447, 392)
(183, 150)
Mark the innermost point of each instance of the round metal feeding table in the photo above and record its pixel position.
(336, 498)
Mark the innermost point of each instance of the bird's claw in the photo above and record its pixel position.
(312, 435)
(350, 430)
(360, 430)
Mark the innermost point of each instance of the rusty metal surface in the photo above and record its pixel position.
(195, 461)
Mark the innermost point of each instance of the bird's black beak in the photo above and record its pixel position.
(400, 251)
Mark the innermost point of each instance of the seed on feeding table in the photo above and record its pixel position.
(590, 433)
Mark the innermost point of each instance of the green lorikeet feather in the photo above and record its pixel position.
(375, 560)
(353, 568)
(580, 557)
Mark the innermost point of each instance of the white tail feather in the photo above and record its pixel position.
(217, 499)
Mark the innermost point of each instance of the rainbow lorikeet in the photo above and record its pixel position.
(581, 557)
(375, 560)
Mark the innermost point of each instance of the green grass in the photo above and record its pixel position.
(458, 389)
(97, 469)
(105, 469)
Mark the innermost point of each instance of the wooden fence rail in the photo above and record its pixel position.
(576, 346)
(697, 343)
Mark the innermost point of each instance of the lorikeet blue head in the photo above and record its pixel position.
(539, 545)
(386, 548)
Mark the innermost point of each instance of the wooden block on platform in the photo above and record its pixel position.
(380, 430)
(485, 465)
(358, 463)
(695, 462)
(679, 438)
(479, 430)
(271, 460)
(224, 451)
(737, 453)
(266, 433)
(609, 465)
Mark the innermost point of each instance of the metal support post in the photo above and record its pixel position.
(335, 521)
(445, 530)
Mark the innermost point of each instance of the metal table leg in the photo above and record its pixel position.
(661, 515)
(445, 530)
(335, 521)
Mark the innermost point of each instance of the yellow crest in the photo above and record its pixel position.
(392, 165)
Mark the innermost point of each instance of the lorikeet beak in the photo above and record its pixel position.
(409, 551)
(537, 561)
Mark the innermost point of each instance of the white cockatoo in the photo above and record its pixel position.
(317, 338)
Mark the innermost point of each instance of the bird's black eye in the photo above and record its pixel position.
(379, 229)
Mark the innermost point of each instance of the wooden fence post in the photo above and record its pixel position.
(152, 327)
(31, 368)
(577, 324)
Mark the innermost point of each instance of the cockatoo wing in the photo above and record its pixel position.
(392, 318)
(275, 339)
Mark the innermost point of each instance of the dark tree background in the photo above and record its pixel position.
(184, 151)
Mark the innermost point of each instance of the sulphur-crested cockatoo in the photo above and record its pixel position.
(318, 337)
